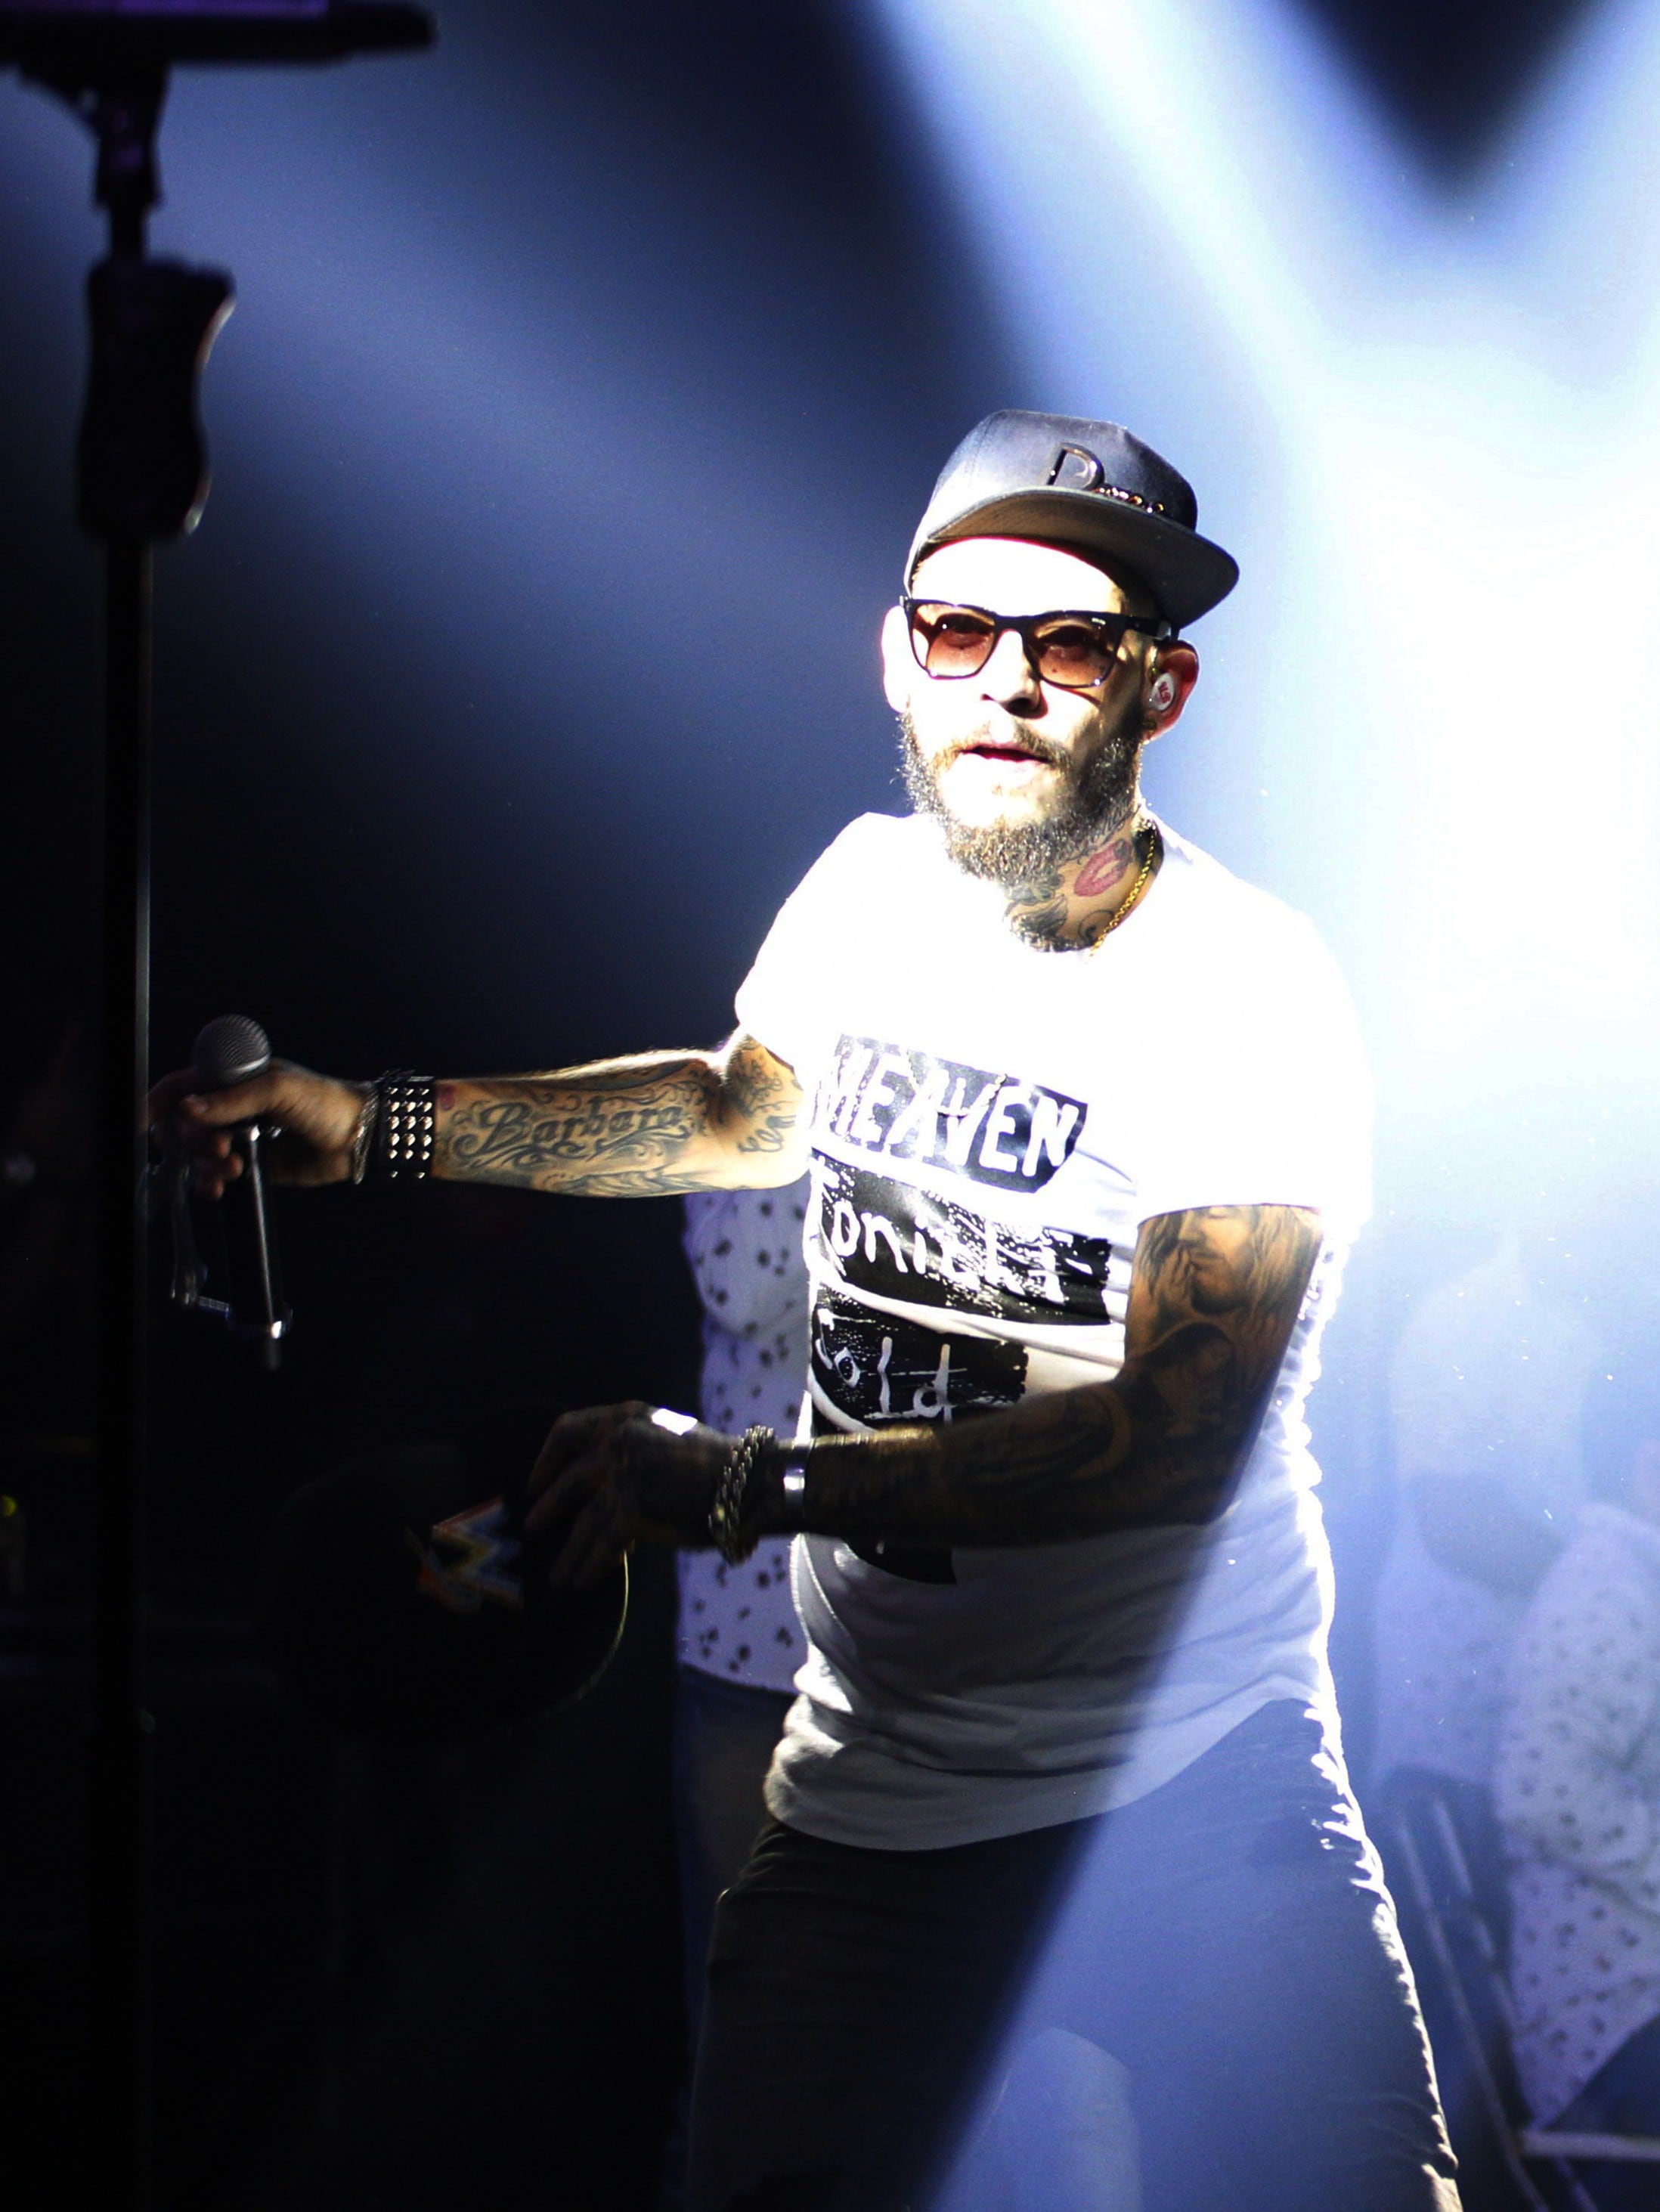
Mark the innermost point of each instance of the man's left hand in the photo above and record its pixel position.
(621, 1480)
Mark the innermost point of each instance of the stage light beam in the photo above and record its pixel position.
(1428, 423)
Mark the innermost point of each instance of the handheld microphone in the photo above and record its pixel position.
(231, 1050)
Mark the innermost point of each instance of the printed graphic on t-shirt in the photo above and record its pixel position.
(875, 1367)
(897, 1241)
(905, 1105)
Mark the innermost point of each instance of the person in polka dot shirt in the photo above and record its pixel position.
(1487, 1385)
(739, 1640)
(744, 1246)
(1578, 1784)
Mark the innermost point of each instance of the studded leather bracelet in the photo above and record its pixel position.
(403, 1127)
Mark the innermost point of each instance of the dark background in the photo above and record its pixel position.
(588, 377)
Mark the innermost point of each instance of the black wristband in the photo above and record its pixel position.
(793, 1489)
(405, 1125)
(774, 1498)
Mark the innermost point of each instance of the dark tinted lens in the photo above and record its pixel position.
(1075, 652)
(950, 641)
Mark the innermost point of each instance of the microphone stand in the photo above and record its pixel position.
(141, 480)
(121, 1916)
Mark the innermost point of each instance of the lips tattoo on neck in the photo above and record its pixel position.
(1104, 870)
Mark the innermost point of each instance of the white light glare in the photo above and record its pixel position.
(1428, 427)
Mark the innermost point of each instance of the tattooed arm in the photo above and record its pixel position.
(630, 1129)
(1214, 1298)
(623, 1128)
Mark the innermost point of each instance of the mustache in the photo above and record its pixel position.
(1017, 736)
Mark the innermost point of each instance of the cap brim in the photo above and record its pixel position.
(1186, 573)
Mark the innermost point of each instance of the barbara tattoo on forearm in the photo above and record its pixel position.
(613, 1131)
(1213, 1299)
(635, 1129)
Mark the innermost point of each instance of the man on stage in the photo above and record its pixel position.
(1086, 1119)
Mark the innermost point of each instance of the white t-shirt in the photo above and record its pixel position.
(991, 1124)
(745, 1247)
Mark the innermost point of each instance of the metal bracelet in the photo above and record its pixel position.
(405, 1125)
(726, 1513)
(363, 1135)
(792, 1487)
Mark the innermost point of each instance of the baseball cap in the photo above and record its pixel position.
(1087, 485)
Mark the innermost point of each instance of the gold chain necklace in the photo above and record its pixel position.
(1155, 847)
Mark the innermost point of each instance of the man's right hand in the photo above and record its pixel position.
(645, 1127)
(312, 1119)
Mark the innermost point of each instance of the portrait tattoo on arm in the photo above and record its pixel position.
(643, 1128)
(1213, 1299)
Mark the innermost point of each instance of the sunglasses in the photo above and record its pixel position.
(1071, 649)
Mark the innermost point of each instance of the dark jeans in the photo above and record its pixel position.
(1227, 1939)
(724, 1736)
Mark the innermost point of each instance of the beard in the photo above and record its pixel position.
(1093, 805)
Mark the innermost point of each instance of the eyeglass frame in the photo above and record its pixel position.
(1153, 626)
